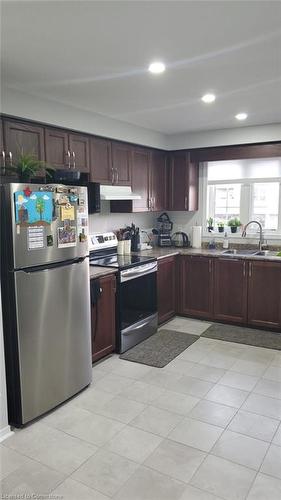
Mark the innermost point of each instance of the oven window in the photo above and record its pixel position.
(138, 299)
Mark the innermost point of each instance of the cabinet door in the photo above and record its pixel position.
(140, 178)
(79, 146)
(166, 288)
(197, 286)
(178, 181)
(121, 163)
(158, 181)
(264, 294)
(101, 165)
(184, 181)
(103, 319)
(22, 137)
(192, 185)
(230, 290)
(56, 147)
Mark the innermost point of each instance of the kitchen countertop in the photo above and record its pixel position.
(98, 272)
(161, 253)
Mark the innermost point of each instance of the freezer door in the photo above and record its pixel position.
(35, 241)
(53, 334)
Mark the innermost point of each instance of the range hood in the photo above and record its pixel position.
(118, 193)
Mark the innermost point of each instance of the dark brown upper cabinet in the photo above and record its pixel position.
(184, 179)
(230, 290)
(121, 163)
(79, 146)
(158, 181)
(64, 150)
(140, 179)
(101, 165)
(264, 294)
(21, 137)
(57, 148)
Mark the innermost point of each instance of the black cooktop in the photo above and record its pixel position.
(120, 261)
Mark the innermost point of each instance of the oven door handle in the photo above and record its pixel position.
(138, 271)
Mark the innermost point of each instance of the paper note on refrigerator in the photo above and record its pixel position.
(67, 212)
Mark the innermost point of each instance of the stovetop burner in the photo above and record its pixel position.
(120, 261)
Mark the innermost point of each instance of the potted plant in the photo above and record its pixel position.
(221, 227)
(234, 224)
(210, 223)
(27, 166)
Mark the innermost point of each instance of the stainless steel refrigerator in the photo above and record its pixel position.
(45, 295)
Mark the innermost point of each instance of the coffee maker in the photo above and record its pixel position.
(164, 228)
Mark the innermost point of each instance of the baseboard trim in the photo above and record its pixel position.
(5, 433)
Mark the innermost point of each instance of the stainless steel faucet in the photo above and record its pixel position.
(261, 233)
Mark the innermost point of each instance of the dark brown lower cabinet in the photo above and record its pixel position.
(196, 286)
(103, 319)
(230, 290)
(166, 288)
(264, 294)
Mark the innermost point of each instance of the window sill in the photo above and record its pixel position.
(238, 236)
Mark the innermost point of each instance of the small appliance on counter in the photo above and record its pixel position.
(180, 240)
(164, 228)
(136, 297)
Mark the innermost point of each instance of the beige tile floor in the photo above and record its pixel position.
(205, 427)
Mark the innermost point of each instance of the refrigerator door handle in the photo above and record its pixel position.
(49, 267)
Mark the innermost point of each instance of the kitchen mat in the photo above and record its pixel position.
(159, 349)
(243, 335)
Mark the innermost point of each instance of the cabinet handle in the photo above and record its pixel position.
(112, 175)
(11, 157)
(117, 176)
(4, 162)
(250, 270)
(244, 268)
(74, 158)
(185, 202)
(210, 266)
(153, 203)
(100, 290)
(68, 155)
(148, 203)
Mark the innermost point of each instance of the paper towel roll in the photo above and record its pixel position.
(196, 236)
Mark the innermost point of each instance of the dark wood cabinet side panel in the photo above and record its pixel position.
(193, 186)
(103, 319)
(197, 286)
(166, 288)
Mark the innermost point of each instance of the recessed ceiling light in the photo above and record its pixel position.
(156, 67)
(241, 116)
(208, 98)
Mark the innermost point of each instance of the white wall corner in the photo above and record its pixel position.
(225, 137)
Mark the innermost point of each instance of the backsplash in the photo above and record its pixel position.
(106, 221)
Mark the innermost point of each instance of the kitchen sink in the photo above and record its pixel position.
(241, 252)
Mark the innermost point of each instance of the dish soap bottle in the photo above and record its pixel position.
(225, 242)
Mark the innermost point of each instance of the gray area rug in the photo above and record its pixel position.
(161, 348)
(243, 335)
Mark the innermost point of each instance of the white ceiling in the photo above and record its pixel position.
(94, 56)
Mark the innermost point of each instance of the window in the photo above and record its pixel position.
(246, 189)
(265, 200)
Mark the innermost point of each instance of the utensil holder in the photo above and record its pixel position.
(127, 247)
(120, 247)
